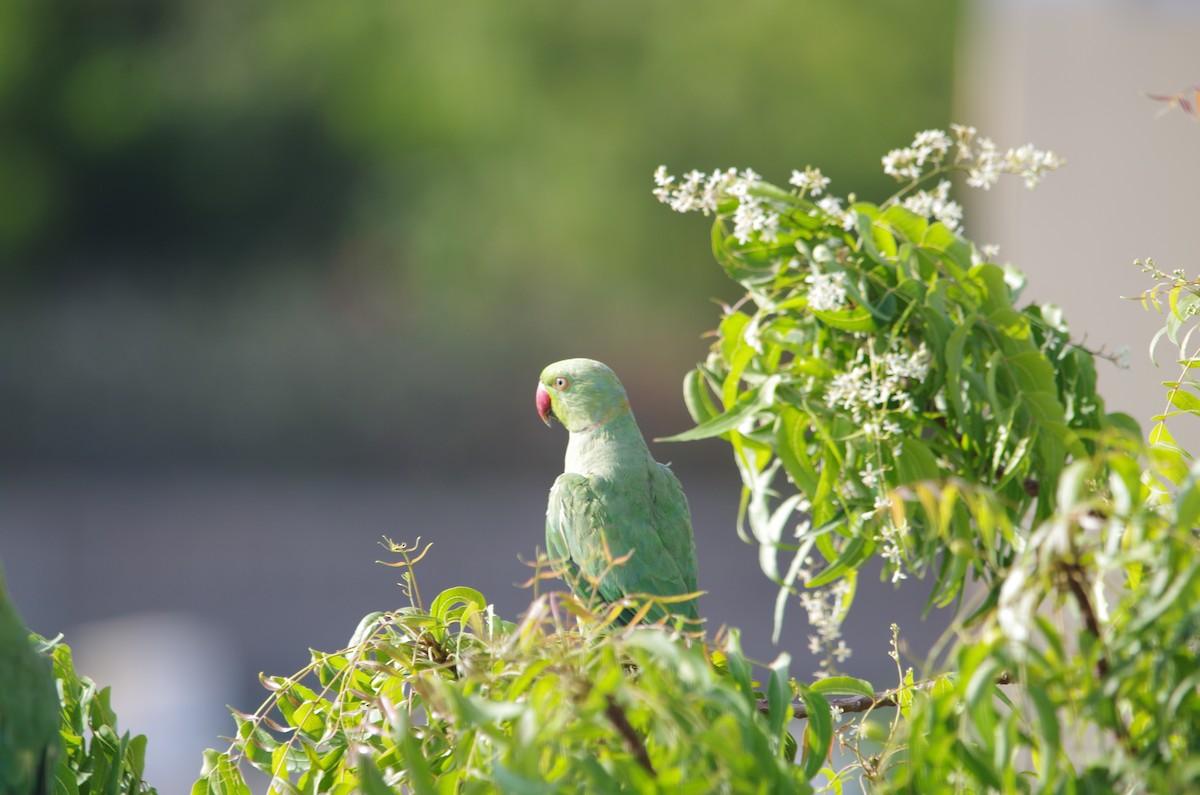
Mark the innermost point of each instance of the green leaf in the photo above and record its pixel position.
(731, 328)
(371, 781)
(818, 735)
(843, 685)
(746, 406)
(953, 353)
(1033, 372)
(420, 778)
(735, 662)
(914, 462)
(446, 609)
(696, 398)
(857, 319)
(366, 627)
(1187, 503)
(779, 697)
(906, 223)
(955, 255)
(1184, 400)
(854, 554)
(791, 446)
(1182, 302)
(1048, 729)
(996, 296)
(1012, 323)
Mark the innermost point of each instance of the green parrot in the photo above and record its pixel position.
(29, 739)
(614, 499)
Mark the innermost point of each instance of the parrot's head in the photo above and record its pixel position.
(580, 393)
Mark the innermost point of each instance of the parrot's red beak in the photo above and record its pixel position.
(543, 404)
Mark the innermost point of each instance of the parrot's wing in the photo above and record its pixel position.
(574, 518)
(598, 524)
(673, 521)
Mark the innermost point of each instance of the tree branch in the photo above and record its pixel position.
(617, 716)
(1077, 585)
(883, 698)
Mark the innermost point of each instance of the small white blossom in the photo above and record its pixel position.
(983, 167)
(964, 137)
(915, 366)
(928, 146)
(802, 528)
(870, 475)
(826, 291)
(936, 204)
(697, 192)
(810, 180)
(902, 164)
(750, 218)
(931, 144)
(832, 206)
(1030, 163)
(825, 608)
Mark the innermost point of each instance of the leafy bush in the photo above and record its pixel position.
(884, 393)
(448, 697)
(96, 758)
(880, 362)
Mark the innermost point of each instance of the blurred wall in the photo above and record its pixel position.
(1073, 77)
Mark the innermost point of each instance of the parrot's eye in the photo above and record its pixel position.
(560, 383)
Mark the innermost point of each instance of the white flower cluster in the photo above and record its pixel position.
(870, 475)
(832, 206)
(825, 608)
(984, 163)
(810, 180)
(936, 204)
(974, 153)
(700, 192)
(751, 217)
(929, 146)
(892, 536)
(877, 383)
(826, 291)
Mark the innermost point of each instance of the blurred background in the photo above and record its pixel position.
(277, 279)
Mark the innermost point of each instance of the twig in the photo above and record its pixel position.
(617, 716)
(883, 698)
(1076, 585)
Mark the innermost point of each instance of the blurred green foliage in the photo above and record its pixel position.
(886, 396)
(96, 759)
(505, 144)
(447, 696)
(236, 232)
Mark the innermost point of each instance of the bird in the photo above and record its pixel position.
(29, 709)
(616, 519)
